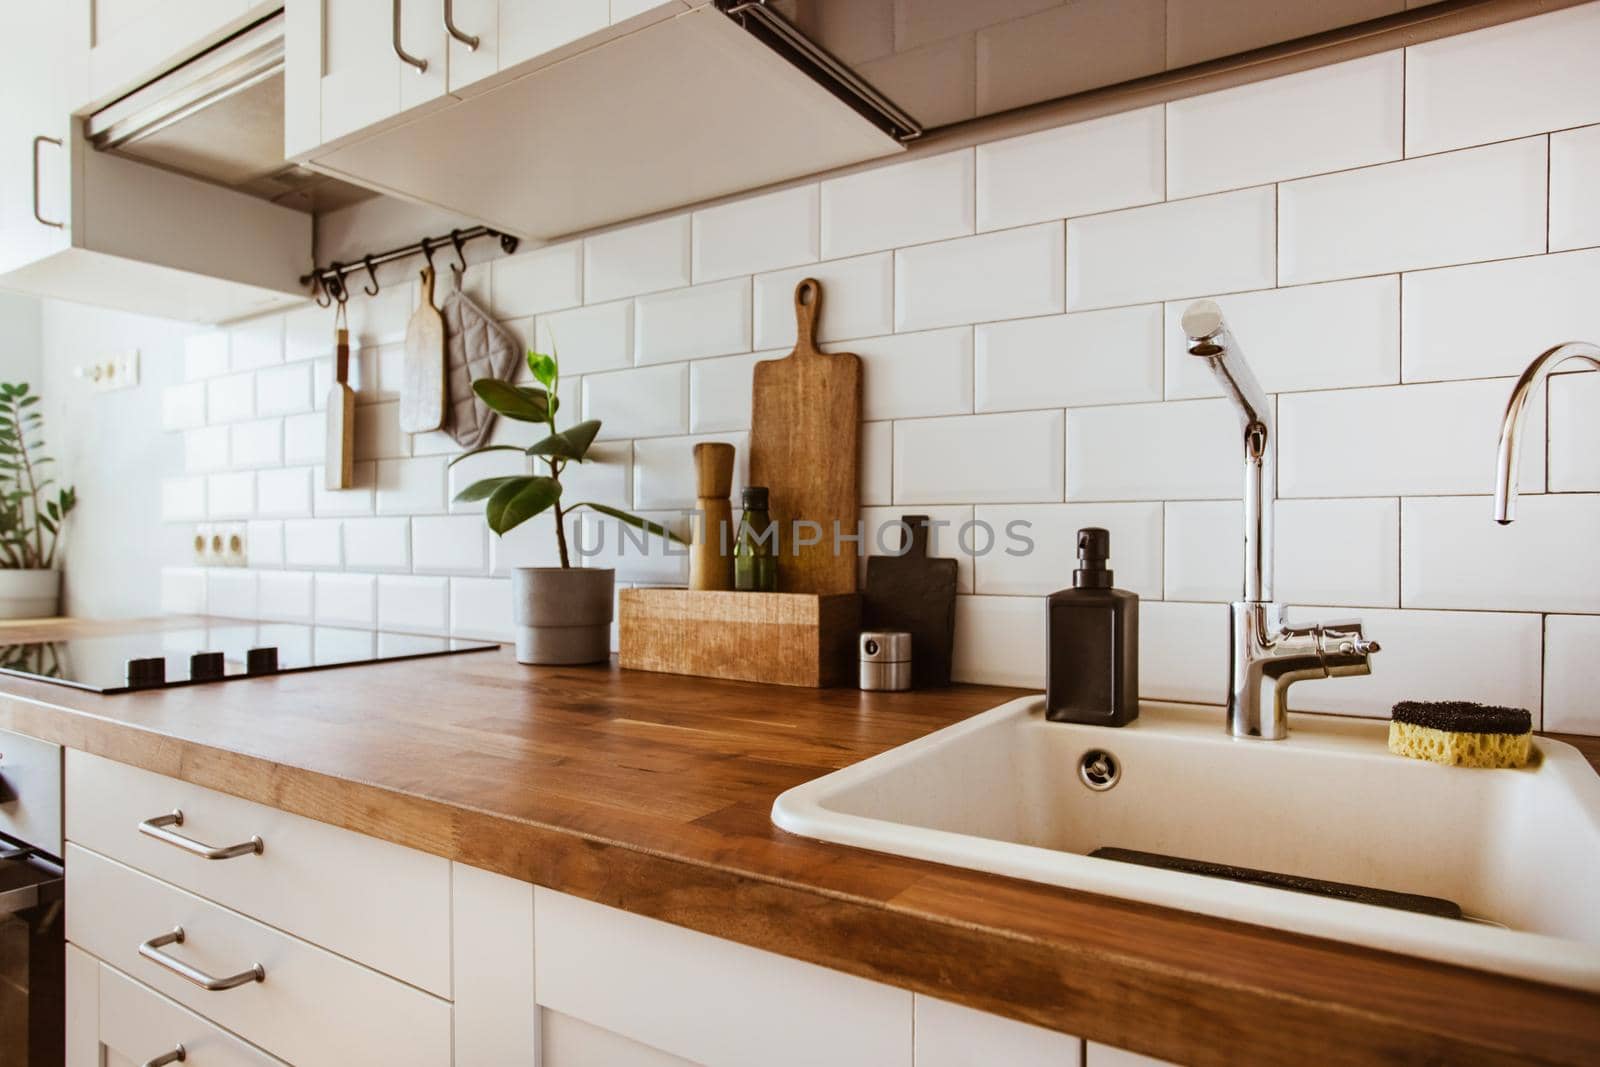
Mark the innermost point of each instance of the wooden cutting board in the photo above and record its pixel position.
(338, 463)
(804, 442)
(915, 593)
(422, 381)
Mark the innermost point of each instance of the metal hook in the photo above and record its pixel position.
(461, 259)
(336, 287)
(370, 290)
(319, 292)
(427, 251)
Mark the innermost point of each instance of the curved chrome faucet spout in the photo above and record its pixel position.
(1505, 483)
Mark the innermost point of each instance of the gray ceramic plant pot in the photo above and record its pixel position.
(562, 614)
(29, 594)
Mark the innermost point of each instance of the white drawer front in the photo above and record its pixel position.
(142, 1024)
(378, 903)
(707, 1000)
(313, 1009)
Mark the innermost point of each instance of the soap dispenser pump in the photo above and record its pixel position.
(1092, 642)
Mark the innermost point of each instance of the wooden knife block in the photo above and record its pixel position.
(800, 639)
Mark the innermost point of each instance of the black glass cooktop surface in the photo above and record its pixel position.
(219, 651)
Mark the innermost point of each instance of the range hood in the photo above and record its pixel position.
(219, 117)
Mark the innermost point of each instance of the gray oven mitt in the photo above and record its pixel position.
(475, 346)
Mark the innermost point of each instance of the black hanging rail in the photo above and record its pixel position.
(328, 283)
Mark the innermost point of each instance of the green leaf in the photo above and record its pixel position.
(632, 520)
(485, 487)
(543, 368)
(520, 402)
(519, 500)
(485, 448)
(571, 443)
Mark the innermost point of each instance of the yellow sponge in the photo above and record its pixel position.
(1461, 733)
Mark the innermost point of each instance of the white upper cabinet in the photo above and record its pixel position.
(132, 41)
(379, 58)
(37, 83)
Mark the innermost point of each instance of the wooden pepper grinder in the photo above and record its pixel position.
(710, 567)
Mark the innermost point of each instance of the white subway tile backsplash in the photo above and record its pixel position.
(1211, 244)
(449, 544)
(1459, 321)
(1482, 203)
(857, 301)
(311, 543)
(307, 334)
(205, 450)
(1000, 640)
(1570, 676)
(183, 407)
(357, 500)
(414, 605)
(1074, 360)
(1183, 652)
(1187, 450)
(1007, 458)
(256, 343)
(877, 463)
(265, 541)
(1203, 550)
(230, 398)
(346, 600)
(230, 496)
(533, 544)
(911, 203)
(231, 593)
(481, 607)
(183, 590)
(377, 432)
(545, 279)
(720, 391)
(284, 492)
(1338, 552)
(1488, 657)
(952, 536)
(757, 234)
(411, 486)
(637, 259)
(305, 437)
(1574, 433)
(1001, 275)
(381, 319)
(1456, 556)
(283, 390)
(663, 471)
(258, 443)
(637, 557)
(1404, 440)
(643, 402)
(205, 355)
(1099, 165)
(1574, 204)
(706, 320)
(592, 338)
(285, 596)
(484, 465)
(1330, 336)
(911, 375)
(183, 499)
(1032, 549)
(1525, 76)
(377, 544)
(1325, 119)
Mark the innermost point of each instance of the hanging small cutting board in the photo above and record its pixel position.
(422, 383)
(915, 593)
(338, 462)
(804, 441)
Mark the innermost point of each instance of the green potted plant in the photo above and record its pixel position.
(31, 515)
(562, 614)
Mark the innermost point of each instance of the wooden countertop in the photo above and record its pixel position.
(651, 793)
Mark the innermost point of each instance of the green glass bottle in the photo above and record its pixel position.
(755, 553)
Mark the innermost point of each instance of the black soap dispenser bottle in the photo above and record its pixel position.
(1092, 643)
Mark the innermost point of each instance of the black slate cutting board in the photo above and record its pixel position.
(915, 593)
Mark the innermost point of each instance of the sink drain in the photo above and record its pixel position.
(1099, 769)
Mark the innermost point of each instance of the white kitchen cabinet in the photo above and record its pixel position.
(363, 79)
(1098, 1055)
(141, 1025)
(569, 1042)
(952, 1035)
(132, 41)
(496, 1023)
(37, 82)
(511, 33)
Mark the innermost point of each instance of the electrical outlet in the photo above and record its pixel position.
(202, 545)
(221, 544)
(120, 371)
(235, 546)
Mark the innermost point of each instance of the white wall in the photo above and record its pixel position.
(1399, 235)
(19, 339)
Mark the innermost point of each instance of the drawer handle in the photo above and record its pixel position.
(450, 26)
(157, 828)
(37, 141)
(177, 1055)
(400, 50)
(151, 950)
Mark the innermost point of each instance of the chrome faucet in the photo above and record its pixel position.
(1265, 656)
(1505, 485)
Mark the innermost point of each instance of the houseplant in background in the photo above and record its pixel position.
(31, 513)
(562, 614)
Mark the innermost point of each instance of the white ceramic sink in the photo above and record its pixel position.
(1518, 850)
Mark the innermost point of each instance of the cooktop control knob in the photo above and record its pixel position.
(261, 661)
(206, 667)
(147, 672)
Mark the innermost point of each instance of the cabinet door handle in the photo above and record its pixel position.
(37, 141)
(151, 950)
(157, 828)
(177, 1055)
(450, 25)
(400, 49)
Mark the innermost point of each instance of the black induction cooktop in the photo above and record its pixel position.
(220, 650)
